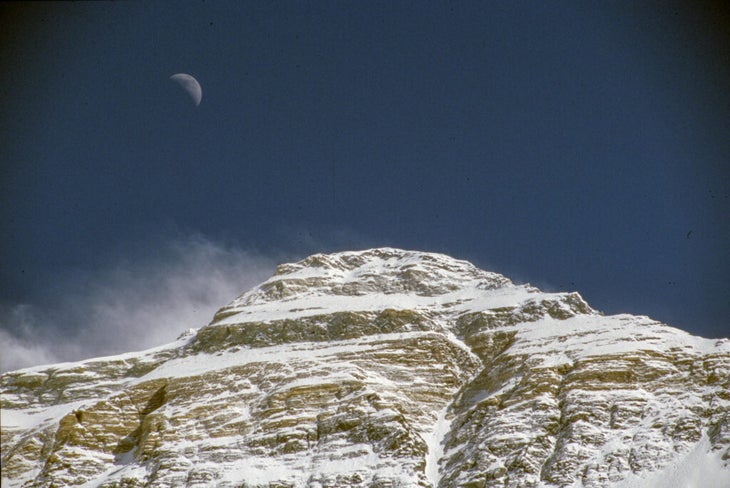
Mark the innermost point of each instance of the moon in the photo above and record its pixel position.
(190, 85)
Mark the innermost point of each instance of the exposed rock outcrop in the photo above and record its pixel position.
(382, 368)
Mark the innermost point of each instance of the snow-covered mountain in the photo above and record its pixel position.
(383, 368)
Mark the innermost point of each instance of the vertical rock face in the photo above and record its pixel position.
(383, 368)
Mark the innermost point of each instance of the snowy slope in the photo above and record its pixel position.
(384, 368)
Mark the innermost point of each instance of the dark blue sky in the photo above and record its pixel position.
(574, 145)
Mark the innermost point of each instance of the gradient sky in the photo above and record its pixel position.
(573, 145)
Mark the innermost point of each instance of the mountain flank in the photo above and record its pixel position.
(383, 368)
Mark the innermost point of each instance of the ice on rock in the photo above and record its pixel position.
(383, 368)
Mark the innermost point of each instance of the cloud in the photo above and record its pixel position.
(131, 305)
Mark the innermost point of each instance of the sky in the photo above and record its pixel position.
(577, 146)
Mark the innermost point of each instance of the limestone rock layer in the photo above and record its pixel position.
(383, 368)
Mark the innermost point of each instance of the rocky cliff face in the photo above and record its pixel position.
(383, 368)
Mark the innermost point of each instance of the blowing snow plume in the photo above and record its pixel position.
(130, 305)
(381, 368)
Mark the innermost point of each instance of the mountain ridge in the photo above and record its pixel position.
(382, 367)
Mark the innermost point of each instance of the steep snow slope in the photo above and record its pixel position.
(383, 368)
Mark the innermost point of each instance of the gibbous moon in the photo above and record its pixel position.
(190, 85)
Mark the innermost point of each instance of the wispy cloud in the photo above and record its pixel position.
(130, 305)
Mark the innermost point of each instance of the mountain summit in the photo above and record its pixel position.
(383, 368)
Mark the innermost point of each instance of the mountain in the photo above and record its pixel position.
(383, 368)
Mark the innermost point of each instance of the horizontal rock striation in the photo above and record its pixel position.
(382, 368)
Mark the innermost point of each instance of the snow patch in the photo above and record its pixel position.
(699, 468)
(436, 441)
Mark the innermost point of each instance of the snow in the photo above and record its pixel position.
(547, 343)
(377, 268)
(181, 341)
(435, 442)
(697, 469)
(27, 419)
(466, 300)
(199, 364)
(585, 336)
